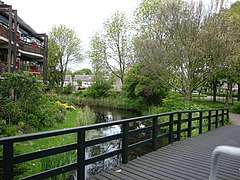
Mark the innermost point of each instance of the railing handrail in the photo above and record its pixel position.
(45, 134)
(174, 120)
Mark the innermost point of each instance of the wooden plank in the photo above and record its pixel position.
(172, 165)
(118, 173)
(186, 159)
(164, 170)
(129, 175)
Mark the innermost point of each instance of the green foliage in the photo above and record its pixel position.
(183, 44)
(53, 73)
(23, 102)
(68, 50)
(98, 89)
(144, 89)
(85, 117)
(55, 161)
(24, 87)
(67, 89)
(236, 108)
(84, 71)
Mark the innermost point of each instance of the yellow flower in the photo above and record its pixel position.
(21, 124)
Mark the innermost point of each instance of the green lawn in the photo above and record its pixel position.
(72, 119)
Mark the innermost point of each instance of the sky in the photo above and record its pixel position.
(85, 16)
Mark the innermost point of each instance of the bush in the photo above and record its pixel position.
(22, 100)
(68, 89)
(143, 88)
(236, 108)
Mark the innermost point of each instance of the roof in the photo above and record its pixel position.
(84, 78)
(21, 22)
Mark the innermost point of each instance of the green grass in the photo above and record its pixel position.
(78, 117)
(209, 103)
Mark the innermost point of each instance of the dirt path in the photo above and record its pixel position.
(235, 118)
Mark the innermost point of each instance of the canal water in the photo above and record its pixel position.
(105, 115)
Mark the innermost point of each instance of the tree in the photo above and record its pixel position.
(234, 12)
(69, 48)
(100, 87)
(97, 54)
(225, 37)
(178, 44)
(112, 47)
(142, 87)
(84, 71)
(54, 75)
(117, 36)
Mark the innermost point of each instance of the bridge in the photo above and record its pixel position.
(187, 159)
(182, 158)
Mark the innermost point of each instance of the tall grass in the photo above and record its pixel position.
(85, 117)
(58, 160)
(78, 117)
(118, 102)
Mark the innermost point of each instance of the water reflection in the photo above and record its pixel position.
(105, 115)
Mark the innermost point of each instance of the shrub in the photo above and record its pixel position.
(22, 100)
(68, 89)
(236, 107)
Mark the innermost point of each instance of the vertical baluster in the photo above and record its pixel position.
(154, 133)
(200, 122)
(8, 161)
(81, 154)
(179, 123)
(189, 124)
(216, 125)
(125, 143)
(227, 114)
(223, 117)
(170, 137)
(209, 120)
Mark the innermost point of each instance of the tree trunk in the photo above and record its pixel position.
(187, 98)
(228, 96)
(214, 90)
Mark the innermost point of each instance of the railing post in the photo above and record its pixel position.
(170, 136)
(189, 132)
(227, 114)
(154, 133)
(125, 143)
(8, 161)
(223, 117)
(179, 124)
(81, 154)
(200, 123)
(209, 120)
(216, 125)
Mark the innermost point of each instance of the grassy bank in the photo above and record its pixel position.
(72, 119)
(117, 102)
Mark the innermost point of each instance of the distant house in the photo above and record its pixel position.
(86, 80)
(68, 80)
(117, 85)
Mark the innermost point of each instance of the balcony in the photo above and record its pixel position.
(31, 47)
(3, 31)
(27, 47)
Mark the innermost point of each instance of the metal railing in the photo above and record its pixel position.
(169, 125)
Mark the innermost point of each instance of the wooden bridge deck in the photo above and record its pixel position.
(187, 159)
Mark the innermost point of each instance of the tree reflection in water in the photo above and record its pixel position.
(105, 115)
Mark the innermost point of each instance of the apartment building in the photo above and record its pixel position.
(21, 48)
